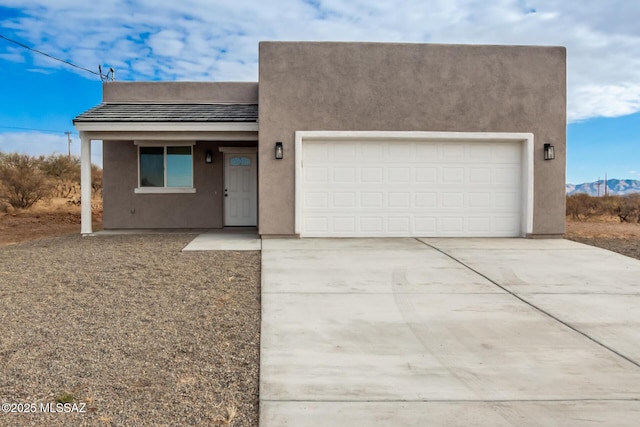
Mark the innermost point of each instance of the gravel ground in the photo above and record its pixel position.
(131, 330)
(625, 246)
(607, 233)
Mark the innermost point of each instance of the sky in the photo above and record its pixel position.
(217, 40)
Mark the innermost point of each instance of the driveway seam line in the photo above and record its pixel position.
(534, 306)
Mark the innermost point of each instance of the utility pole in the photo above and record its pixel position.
(68, 143)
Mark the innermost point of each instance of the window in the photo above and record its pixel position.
(179, 167)
(151, 166)
(165, 168)
(240, 161)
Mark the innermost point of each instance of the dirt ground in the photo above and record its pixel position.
(48, 218)
(607, 233)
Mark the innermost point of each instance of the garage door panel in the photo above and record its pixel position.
(344, 175)
(399, 224)
(315, 199)
(425, 225)
(344, 200)
(316, 153)
(399, 151)
(372, 200)
(426, 200)
(315, 174)
(399, 200)
(371, 224)
(479, 176)
(506, 176)
(479, 225)
(343, 224)
(426, 174)
(453, 200)
(411, 188)
(426, 152)
(507, 153)
(505, 224)
(399, 175)
(510, 200)
(453, 175)
(479, 200)
(480, 152)
(452, 225)
(372, 174)
(452, 152)
(316, 225)
(371, 151)
(345, 151)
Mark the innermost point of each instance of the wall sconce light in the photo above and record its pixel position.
(549, 152)
(208, 157)
(279, 151)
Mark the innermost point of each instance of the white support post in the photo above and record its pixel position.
(85, 184)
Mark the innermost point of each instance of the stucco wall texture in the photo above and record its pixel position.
(176, 92)
(124, 209)
(410, 87)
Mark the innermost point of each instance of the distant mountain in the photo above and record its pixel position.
(615, 187)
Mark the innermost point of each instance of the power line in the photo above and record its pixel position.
(49, 56)
(32, 129)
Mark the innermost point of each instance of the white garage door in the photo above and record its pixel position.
(396, 188)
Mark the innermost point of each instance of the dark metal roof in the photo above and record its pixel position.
(111, 112)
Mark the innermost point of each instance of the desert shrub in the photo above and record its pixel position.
(63, 171)
(629, 208)
(96, 179)
(582, 206)
(609, 205)
(60, 166)
(22, 183)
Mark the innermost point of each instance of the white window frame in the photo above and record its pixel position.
(165, 189)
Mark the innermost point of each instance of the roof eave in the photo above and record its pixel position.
(92, 126)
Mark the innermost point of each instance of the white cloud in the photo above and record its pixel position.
(608, 100)
(167, 43)
(41, 143)
(218, 39)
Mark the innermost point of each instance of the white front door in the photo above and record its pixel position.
(240, 189)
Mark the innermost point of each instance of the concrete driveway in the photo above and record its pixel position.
(448, 332)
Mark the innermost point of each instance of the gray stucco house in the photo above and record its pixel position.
(342, 140)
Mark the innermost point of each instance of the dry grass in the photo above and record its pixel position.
(228, 417)
(138, 331)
